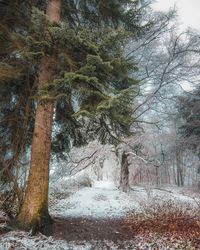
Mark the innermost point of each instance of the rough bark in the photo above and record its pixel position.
(34, 211)
(124, 176)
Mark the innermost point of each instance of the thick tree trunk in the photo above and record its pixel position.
(34, 211)
(124, 176)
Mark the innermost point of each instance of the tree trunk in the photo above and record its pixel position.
(157, 175)
(198, 177)
(179, 169)
(100, 173)
(174, 172)
(34, 211)
(124, 176)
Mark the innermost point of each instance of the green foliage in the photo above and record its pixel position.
(16, 82)
(88, 47)
(92, 70)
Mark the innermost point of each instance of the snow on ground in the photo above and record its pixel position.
(178, 195)
(22, 241)
(104, 185)
(104, 200)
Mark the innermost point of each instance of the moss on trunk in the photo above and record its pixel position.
(34, 213)
(40, 221)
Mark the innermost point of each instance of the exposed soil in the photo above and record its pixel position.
(72, 229)
(172, 231)
(128, 229)
(159, 225)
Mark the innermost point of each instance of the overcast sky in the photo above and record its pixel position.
(188, 11)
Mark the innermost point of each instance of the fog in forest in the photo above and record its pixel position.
(99, 124)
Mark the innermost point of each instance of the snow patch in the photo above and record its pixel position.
(102, 201)
(22, 241)
(105, 201)
(104, 185)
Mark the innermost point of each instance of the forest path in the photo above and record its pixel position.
(170, 232)
(146, 218)
(103, 207)
(80, 229)
(103, 200)
(106, 214)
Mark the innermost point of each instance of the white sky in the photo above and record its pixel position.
(188, 11)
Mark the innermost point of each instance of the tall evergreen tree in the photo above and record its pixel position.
(16, 87)
(34, 210)
(77, 60)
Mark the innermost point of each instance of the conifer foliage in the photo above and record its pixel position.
(89, 87)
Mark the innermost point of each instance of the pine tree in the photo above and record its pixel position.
(74, 63)
(16, 87)
(34, 210)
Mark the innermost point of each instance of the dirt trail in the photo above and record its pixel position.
(73, 229)
(183, 230)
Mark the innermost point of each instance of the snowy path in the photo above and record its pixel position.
(105, 201)
(95, 218)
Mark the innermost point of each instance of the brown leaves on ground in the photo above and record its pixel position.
(166, 217)
(158, 226)
(177, 225)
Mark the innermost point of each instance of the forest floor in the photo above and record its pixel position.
(102, 217)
